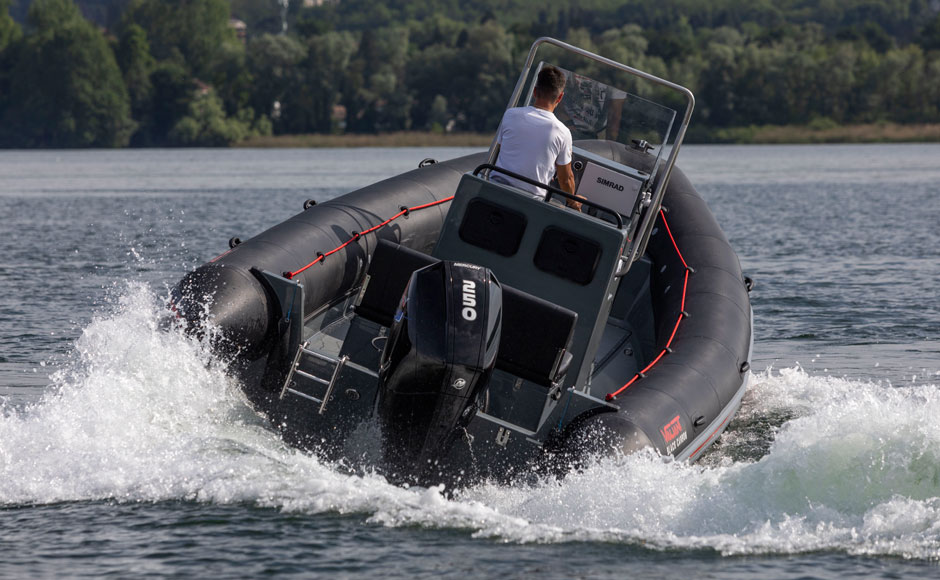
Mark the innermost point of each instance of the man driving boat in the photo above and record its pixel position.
(534, 143)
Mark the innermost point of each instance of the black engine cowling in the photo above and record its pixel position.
(437, 362)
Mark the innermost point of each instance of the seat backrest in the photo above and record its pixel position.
(390, 269)
(536, 335)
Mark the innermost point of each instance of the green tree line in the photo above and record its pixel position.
(177, 73)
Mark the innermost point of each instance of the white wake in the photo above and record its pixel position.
(139, 414)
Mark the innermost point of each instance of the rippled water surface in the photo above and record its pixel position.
(127, 451)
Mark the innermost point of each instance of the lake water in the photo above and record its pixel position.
(125, 451)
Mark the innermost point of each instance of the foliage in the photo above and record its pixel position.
(176, 74)
(206, 125)
(929, 36)
(9, 30)
(192, 32)
(275, 64)
(191, 49)
(172, 91)
(66, 89)
(9, 36)
(134, 58)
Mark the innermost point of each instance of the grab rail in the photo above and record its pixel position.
(551, 191)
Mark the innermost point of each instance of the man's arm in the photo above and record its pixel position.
(566, 183)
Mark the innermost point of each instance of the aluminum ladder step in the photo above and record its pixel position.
(338, 365)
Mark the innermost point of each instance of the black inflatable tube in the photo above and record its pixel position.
(700, 375)
(237, 301)
(701, 372)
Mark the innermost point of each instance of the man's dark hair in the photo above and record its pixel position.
(551, 83)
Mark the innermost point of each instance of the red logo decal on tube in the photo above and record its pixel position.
(672, 429)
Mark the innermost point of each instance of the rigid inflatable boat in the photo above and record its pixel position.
(449, 327)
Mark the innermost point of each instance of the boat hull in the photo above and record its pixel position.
(683, 393)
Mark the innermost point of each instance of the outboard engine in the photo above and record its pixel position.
(437, 362)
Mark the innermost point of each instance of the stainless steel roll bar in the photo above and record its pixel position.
(638, 244)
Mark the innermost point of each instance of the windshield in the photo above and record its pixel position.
(622, 106)
(592, 109)
(596, 110)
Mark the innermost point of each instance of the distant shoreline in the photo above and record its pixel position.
(755, 135)
(398, 139)
(824, 133)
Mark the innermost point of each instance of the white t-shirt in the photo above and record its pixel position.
(532, 141)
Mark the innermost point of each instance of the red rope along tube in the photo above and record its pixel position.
(682, 315)
(356, 236)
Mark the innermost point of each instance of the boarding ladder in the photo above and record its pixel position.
(337, 363)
